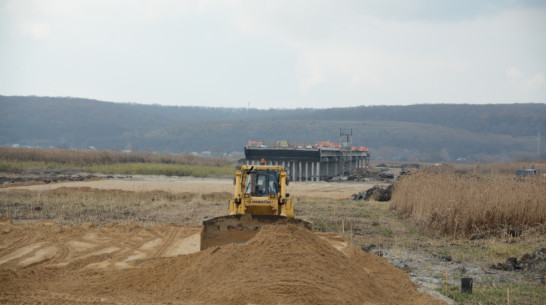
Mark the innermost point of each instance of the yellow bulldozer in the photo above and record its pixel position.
(260, 199)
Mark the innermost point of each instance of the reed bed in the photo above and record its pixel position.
(497, 168)
(450, 203)
(88, 157)
(121, 168)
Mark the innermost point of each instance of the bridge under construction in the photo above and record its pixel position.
(306, 162)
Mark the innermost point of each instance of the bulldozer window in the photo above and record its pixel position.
(250, 182)
(262, 183)
(273, 183)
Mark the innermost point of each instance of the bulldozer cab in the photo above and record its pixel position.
(261, 183)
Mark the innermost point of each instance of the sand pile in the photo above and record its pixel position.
(280, 265)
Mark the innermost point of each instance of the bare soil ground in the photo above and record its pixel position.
(65, 248)
(316, 189)
(45, 263)
(42, 262)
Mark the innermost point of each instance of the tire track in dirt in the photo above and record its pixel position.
(154, 231)
(166, 243)
(43, 254)
(19, 253)
(63, 252)
(104, 247)
(21, 240)
(87, 246)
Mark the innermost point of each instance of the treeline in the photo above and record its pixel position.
(387, 140)
(89, 157)
(417, 132)
(507, 119)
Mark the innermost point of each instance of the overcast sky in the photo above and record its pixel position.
(275, 54)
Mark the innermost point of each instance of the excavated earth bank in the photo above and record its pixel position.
(48, 264)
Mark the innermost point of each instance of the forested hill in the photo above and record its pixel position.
(510, 119)
(439, 132)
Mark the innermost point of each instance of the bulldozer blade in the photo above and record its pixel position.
(242, 227)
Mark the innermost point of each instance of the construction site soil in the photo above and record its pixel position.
(141, 183)
(44, 263)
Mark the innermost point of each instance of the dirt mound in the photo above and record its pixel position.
(535, 262)
(377, 193)
(280, 265)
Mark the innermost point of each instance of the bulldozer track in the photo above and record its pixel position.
(64, 251)
(93, 246)
(39, 261)
(154, 232)
(166, 243)
(106, 245)
(20, 240)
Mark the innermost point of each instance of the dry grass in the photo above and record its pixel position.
(73, 206)
(493, 169)
(88, 157)
(33, 167)
(498, 294)
(497, 168)
(364, 223)
(18, 160)
(448, 202)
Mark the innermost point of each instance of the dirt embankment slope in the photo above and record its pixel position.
(48, 264)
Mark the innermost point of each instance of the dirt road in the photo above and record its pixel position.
(313, 189)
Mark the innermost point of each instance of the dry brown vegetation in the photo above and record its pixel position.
(363, 223)
(498, 168)
(75, 205)
(459, 202)
(87, 157)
